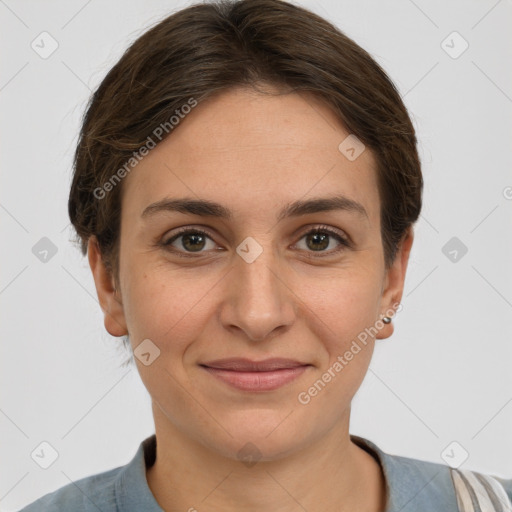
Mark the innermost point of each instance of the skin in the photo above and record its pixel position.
(253, 153)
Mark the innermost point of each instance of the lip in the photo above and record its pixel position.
(248, 375)
(241, 364)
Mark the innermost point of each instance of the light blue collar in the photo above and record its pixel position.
(412, 485)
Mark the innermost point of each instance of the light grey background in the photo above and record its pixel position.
(445, 374)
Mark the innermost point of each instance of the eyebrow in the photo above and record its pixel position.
(206, 208)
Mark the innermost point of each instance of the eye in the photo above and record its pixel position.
(193, 240)
(320, 238)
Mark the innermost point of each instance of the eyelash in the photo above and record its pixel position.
(344, 242)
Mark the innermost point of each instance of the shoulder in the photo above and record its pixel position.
(421, 486)
(452, 488)
(417, 485)
(87, 494)
(122, 488)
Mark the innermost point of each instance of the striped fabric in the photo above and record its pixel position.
(479, 493)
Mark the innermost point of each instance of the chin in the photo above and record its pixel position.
(263, 436)
(249, 450)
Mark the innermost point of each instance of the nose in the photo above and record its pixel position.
(258, 300)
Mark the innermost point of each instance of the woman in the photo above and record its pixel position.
(246, 184)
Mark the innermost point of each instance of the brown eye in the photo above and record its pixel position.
(192, 240)
(189, 241)
(319, 239)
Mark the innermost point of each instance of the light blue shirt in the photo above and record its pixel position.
(412, 486)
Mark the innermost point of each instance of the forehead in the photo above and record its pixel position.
(255, 151)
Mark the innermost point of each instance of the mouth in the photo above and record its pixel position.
(248, 375)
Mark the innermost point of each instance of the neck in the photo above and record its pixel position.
(332, 474)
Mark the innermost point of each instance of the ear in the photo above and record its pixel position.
(108, 296)
(394, 283)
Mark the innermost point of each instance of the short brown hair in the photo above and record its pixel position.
(211, 47)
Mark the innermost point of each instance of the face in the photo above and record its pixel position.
(257, 282)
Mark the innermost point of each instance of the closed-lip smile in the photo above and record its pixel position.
(247, 365)
(249, 375)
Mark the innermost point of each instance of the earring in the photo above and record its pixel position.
(387, 320)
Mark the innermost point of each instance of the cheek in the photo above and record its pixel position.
(170, 311)
(167, 306)
(343, 306)
(343, 312)
(176, 305)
